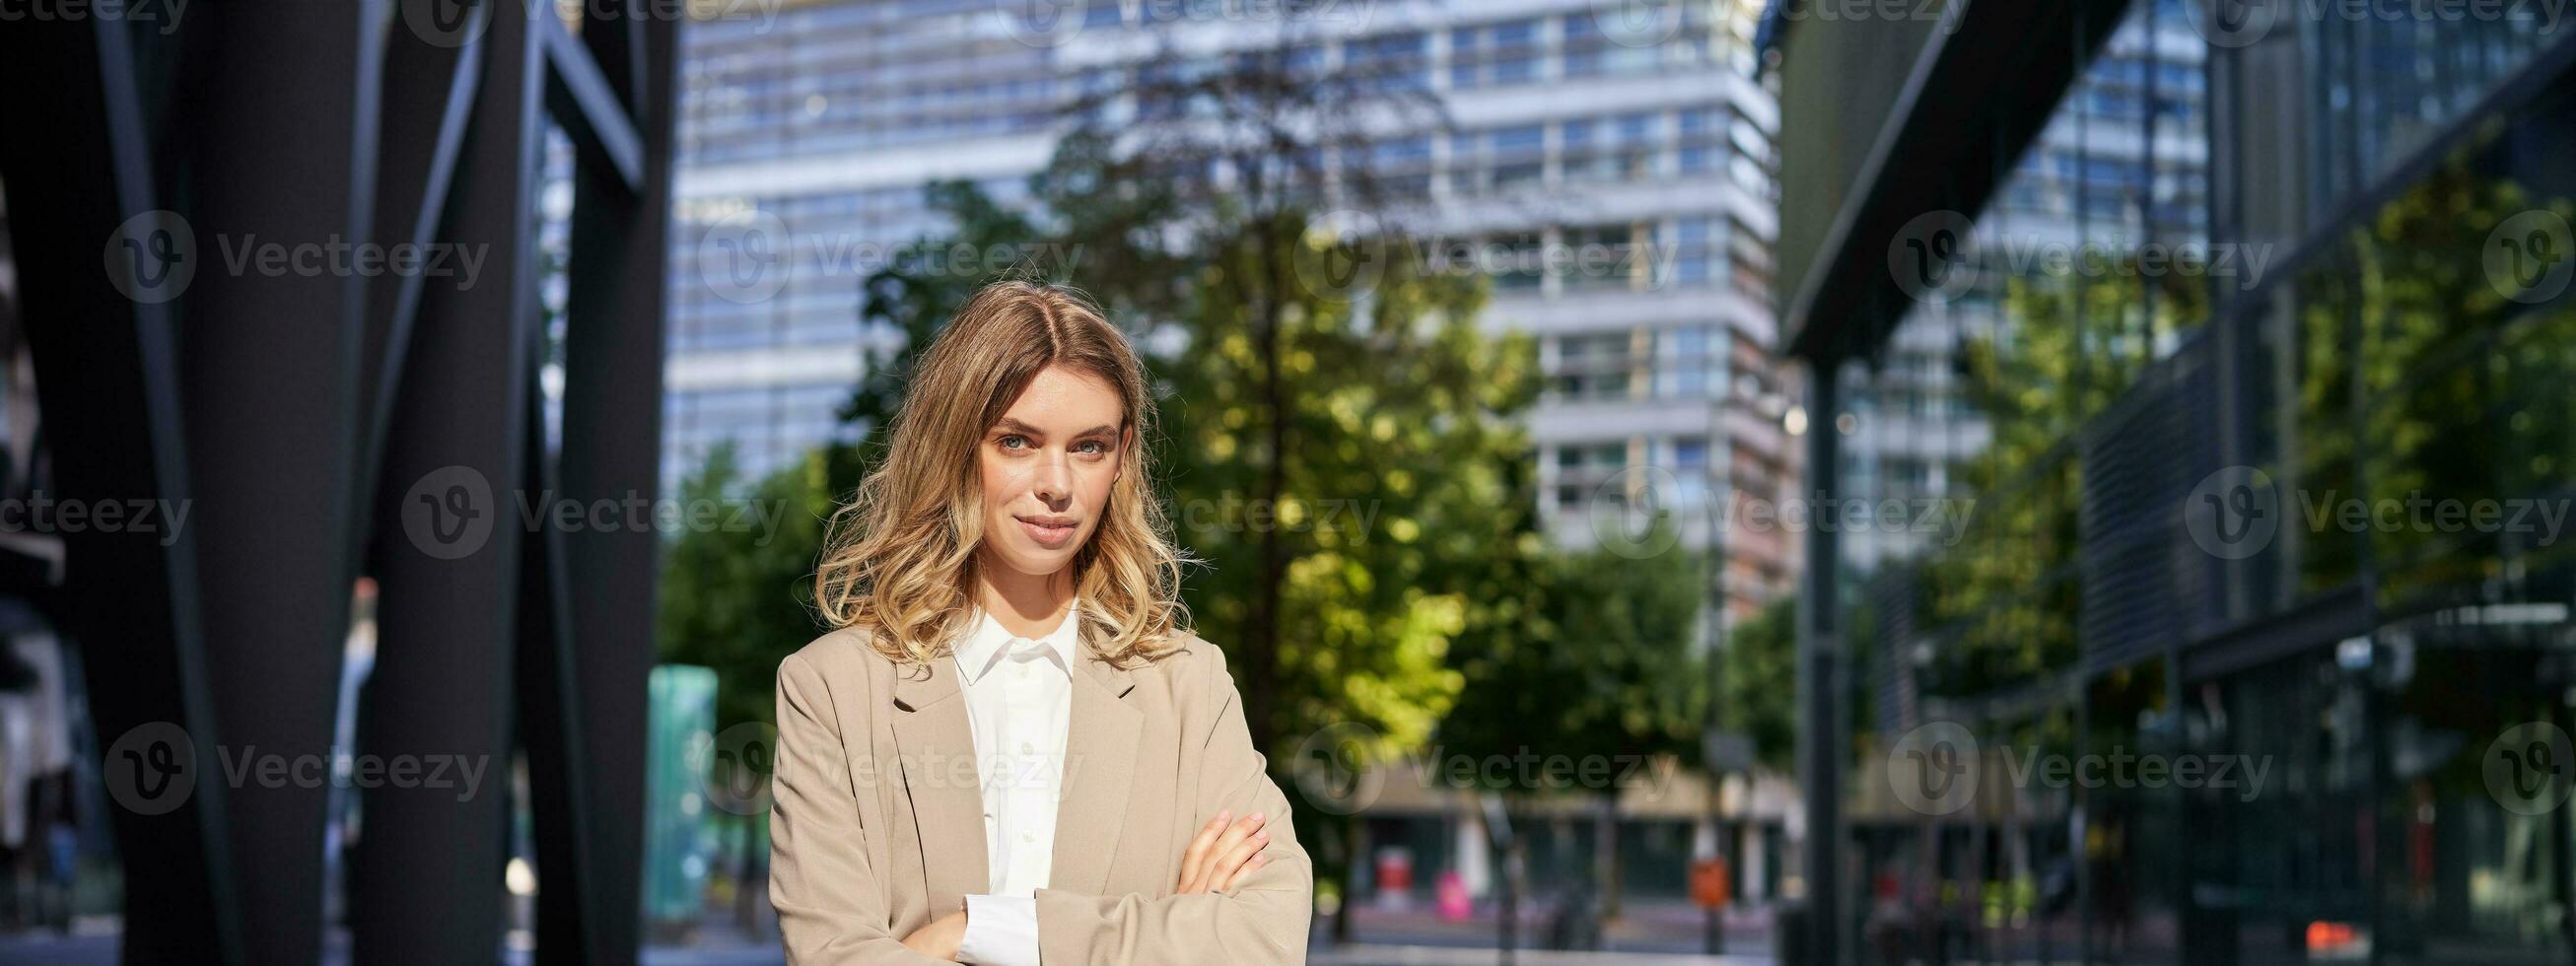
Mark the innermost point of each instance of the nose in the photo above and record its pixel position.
(1053, 481)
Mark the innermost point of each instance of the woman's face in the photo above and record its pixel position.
(1047, 467)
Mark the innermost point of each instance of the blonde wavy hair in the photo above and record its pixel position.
(899, 559)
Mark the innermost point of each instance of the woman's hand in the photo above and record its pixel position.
(1222, 852)
(940, 938)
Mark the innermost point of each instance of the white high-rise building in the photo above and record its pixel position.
(1632, 131)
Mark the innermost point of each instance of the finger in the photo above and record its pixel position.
(1231, 861)
(1234, 835)
(1236, 872)
(1248, 868)
(1194, 860)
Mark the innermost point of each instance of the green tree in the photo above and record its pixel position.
(1343, 459)
(732, 596)
(1760, 691)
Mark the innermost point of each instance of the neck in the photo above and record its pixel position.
(1028, 605)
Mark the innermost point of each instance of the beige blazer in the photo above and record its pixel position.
(878, 823)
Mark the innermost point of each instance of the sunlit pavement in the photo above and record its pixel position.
(1647, 934)
(1644, 926)
(1375, 955)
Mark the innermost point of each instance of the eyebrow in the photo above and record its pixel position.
(1009, 425)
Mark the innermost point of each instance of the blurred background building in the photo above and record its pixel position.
(1640, 132)
(2148, 449)
(1635, 132)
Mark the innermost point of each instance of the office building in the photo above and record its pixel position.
(2246, 468)
(1571, 127)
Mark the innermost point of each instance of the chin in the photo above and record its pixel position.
(1038, 561)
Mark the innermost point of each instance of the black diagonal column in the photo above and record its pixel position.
(1822, 737)
(426, 882)
(107, 374)
(611, 449)
(273, 112)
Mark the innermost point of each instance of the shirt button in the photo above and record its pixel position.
(1028, 837)
(1028, 749)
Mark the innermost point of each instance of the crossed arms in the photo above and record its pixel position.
(1227, 908)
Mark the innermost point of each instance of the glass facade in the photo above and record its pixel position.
(1638, 155)
(2256, 391)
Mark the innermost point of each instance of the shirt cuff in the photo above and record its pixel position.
(1000, 931)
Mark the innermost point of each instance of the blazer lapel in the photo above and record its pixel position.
(935, 745)
(1099, 760)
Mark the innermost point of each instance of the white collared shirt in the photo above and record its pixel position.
(1019, 701)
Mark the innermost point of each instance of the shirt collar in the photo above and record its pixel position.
(988, 642)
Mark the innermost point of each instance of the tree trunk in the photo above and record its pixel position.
(1354, 847)
(1260, 658)
(1605, 853)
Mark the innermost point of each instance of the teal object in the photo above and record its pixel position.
(681, 729)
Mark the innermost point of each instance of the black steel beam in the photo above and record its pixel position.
(612, 441)
(107, 377)
(275, 118)
(1956, 129)
(429, 94)
(426, 884)
(1822, 682)
(587, 103)
(551, 729)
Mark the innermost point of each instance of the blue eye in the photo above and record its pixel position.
(1092, 446)
(1015, 442)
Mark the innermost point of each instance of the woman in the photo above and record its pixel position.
(1011, 750)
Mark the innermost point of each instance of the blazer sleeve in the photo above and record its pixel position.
(830, 911)
(1262, 921)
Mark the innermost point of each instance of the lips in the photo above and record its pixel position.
(1049, 532)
